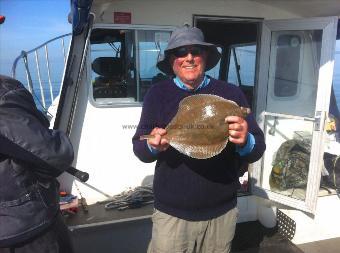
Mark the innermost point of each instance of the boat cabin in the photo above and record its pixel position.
(280, 53)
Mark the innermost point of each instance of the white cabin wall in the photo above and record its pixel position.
(176, 13)
(324, 225)
(105, 152)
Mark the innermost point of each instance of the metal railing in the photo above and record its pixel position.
(47, 88)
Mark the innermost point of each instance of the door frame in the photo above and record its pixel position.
(329, 26)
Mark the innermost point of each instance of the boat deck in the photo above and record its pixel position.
(98, 215)
(100, 230)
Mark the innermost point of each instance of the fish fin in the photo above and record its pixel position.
(200, 99)
(199, 151)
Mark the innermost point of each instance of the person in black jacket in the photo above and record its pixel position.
(31, 157)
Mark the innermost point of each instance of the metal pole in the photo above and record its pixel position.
(137, 66)
(39, 79)
(28, 74)
(237, 67)
(48, 72)
(63, 47)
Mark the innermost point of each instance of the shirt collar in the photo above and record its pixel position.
(182, 86)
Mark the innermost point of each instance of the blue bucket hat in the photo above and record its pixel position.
(185, 36)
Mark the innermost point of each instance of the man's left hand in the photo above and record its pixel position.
(238, 130)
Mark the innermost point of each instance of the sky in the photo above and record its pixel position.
(28, 24)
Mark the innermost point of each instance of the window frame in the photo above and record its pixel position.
(119, 102)
(273, 68)
(325, 73)
(230, 56)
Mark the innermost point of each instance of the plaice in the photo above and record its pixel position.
(198, 129)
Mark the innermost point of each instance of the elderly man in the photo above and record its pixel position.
(195, 200)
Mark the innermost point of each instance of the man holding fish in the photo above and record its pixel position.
(196, 174)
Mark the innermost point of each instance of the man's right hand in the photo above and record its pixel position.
(158, 143)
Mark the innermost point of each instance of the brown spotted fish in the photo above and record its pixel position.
(198, 129)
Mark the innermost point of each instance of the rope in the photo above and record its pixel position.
(132, 198)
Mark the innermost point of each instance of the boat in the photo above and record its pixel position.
(280, 53)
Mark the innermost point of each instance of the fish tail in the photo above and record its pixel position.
(146, 137)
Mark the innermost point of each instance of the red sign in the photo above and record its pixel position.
(122, 17)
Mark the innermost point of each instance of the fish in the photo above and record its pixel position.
(198, 129)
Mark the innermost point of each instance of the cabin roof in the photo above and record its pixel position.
(302, 8)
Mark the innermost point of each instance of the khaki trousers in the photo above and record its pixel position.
(174, 235)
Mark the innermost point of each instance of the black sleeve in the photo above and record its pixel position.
(25, 136)
(148, 121)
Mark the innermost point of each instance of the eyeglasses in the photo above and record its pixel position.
(184, 51)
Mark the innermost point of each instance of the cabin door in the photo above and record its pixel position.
(294, 83)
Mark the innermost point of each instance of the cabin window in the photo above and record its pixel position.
(123, 63)
(288, 50)
(151, 45)
(293, 72)
(241, 70)
(242, 65)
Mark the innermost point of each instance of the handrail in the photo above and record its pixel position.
(23, 53)
(42, 101)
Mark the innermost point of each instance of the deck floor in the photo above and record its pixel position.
(250, 237)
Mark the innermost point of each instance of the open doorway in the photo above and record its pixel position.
(237, 41)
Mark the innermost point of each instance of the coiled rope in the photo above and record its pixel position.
(132, 198)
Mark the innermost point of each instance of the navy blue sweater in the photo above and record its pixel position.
(184, 187)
